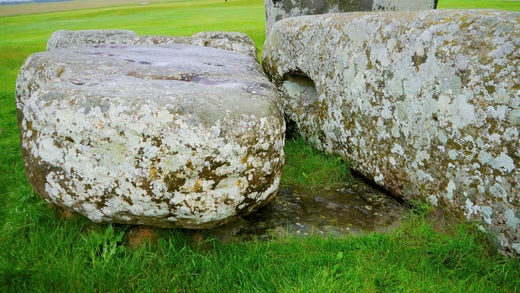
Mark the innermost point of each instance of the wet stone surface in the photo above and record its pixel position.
(353, 209)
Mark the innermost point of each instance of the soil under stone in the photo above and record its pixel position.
(353, 209)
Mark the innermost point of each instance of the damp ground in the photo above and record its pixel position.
(301, 211)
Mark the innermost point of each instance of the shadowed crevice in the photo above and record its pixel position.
(299, 86)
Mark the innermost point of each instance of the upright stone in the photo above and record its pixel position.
(426, 104)
(279, 9)
(179, 135)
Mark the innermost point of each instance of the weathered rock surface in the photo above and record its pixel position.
(180, 136)
(426, 104)
(276, 10)
(231, 41)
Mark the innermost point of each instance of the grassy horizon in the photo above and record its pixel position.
(43, 249)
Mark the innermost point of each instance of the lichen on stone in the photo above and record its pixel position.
(423, 103)
(160, 136)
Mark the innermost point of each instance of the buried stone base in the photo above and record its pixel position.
(426, 104)
(176, 136)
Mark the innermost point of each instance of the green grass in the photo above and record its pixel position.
(40, 251)
(480, 4)
(54, 255)
(306, 166)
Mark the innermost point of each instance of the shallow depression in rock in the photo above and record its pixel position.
(353, 209)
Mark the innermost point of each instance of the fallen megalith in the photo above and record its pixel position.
(175, 136)
(426, 104)
(231, 41)
(276, 10)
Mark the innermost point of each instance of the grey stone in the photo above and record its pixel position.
(423, 103)
(181, 135)
(66, 38)
(231, 41)
(279, 9)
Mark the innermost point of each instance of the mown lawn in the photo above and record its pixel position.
(513, 5)
(42, 249)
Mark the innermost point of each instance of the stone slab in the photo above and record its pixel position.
(231, 41)
(426, 103)
(182, 136)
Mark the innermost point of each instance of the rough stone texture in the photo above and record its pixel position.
(426, 104)
(180, 136)
(231, 41)
(276, 10)
(392, 5)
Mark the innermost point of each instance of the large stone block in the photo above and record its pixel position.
(426, 104)
(181, 135)
(276, 10)
(231, 41)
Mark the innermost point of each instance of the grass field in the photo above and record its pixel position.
(42, 249)
(513, 5)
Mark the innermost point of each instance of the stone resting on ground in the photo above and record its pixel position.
(425, 103)
(173, 135)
